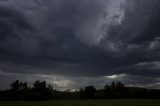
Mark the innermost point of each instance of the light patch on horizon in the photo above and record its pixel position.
(112, 77)
(115, 77)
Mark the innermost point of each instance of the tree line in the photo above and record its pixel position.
(41, 91)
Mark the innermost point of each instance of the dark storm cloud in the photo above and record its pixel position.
(83, 38)
(50, 35)
(136, 37)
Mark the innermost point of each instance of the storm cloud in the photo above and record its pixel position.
(82, 38)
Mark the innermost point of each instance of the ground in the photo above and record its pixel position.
(86, 103)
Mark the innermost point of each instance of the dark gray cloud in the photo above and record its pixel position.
(52, 32)
(136, 37)
(81, 38)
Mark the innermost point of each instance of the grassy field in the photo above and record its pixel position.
(86, 103)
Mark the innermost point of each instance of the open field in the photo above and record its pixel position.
(86, 103)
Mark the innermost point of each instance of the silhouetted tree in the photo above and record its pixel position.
(90, 92)
(107, 91)
(15, 85)
(41, 91)
(19, 90)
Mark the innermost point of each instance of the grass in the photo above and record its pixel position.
(86, 103)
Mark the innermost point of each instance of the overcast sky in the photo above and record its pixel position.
(75, 43)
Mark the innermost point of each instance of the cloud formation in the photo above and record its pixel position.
(80, 38)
